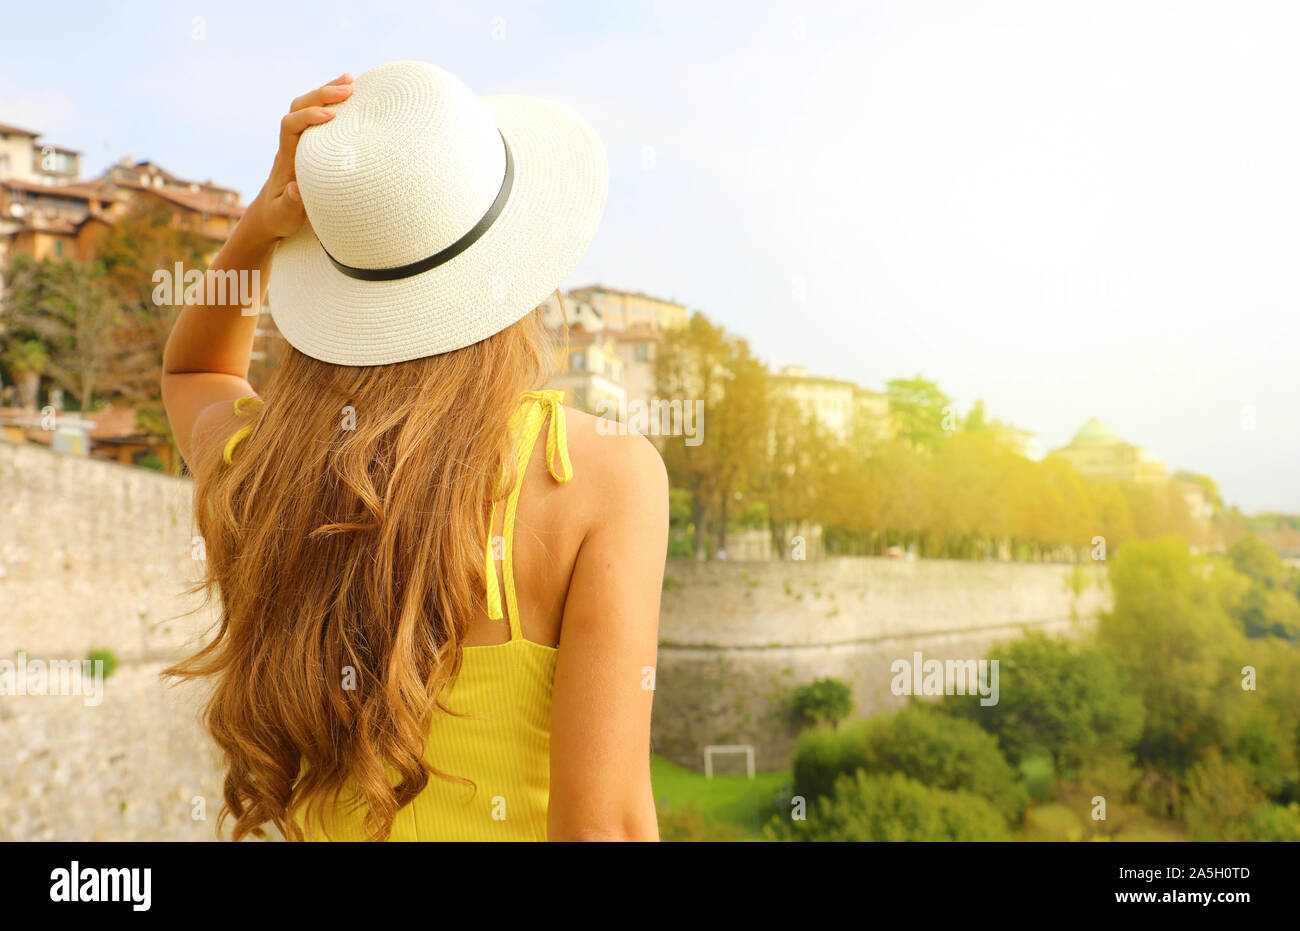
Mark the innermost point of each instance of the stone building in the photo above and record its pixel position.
(623, 310)
(836, 403)
(200, 206)
(48, 213)
(24, 159)
(591, 375)
(1097, 453)
(614, 338)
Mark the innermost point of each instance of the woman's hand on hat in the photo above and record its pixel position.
(279, 205)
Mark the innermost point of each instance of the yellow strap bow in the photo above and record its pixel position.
(549, 404)
(552, 403)
(242, 406)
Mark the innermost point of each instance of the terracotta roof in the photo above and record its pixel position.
(199, 203)
(153, 168)
(19, 131)
(83, 191)
(113, 422)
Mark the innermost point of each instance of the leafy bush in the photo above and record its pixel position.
(1270, 612)
(1268, 822)
(1171, 631)
(1223, 803)
(1262, 564)
(892, 807)
(933, 748)
(1219, 796)
(1038, 773)
(1264, 744)
(1060, 698)
(822, 701)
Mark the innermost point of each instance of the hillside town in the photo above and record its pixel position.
(48, 211)
(916, 468)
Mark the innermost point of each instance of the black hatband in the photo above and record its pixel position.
(446, 255)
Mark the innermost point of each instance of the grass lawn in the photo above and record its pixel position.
(744, 804)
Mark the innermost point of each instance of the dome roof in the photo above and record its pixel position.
(1094, 431)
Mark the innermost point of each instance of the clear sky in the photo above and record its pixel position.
(1066, 209)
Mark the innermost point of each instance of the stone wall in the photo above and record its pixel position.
(94, 556)
(98, 556)
(736, 638)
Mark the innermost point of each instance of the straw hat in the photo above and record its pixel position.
(435, 218)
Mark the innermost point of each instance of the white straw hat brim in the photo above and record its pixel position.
(561, 179)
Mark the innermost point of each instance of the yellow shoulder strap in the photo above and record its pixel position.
(538, 407)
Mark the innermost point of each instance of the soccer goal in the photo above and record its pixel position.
(711, 749)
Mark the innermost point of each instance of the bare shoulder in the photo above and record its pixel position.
(614, 460)
(620, 485)
(213, 426)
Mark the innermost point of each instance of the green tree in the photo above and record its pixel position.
(794, 471)
(702, 362)
(1219, 797)
(145, 240)
(902, 500)
(70, 309)
(1115, 521)
(1070, 701)
(822, 701)
(25, 359)
(970, 493)
(919, 409)
(977, 419)
(1170, 632)
(1269, 823)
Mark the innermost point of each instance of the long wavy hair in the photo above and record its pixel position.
(345, 546)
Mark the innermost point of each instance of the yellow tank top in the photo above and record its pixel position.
(502, 741)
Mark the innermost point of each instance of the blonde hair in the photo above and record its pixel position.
(333, 548)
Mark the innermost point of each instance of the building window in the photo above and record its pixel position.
(577, 362)
(642, 352)
(58, 248)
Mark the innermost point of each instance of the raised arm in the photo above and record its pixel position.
(207, 355)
